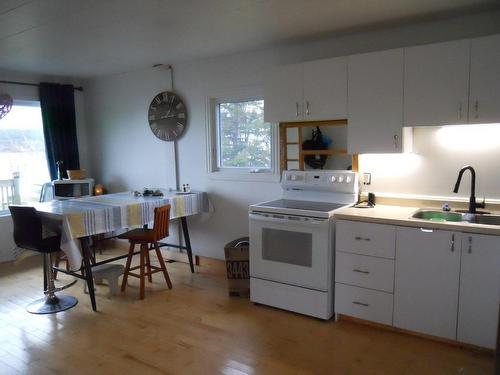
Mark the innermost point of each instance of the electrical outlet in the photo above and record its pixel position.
(367, 178)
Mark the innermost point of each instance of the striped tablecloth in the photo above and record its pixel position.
(105, 213)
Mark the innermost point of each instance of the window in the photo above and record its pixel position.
(23, 162)
(242, 141)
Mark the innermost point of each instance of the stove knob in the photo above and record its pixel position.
(348, 179)
(334, 178)
(341, 179)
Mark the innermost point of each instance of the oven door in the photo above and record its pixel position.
(291, 249)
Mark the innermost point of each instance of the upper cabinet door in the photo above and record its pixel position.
(375, 102)
(437, 84)
(325, 89)
(484, 104)
(479, 290)
(284, 93)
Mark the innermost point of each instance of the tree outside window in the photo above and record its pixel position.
(244, 139)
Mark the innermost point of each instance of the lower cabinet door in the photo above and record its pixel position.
(479, 290)
(426, 281)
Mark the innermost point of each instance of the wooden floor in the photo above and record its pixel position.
(195, 328)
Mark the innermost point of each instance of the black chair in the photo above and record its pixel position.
(28, 234)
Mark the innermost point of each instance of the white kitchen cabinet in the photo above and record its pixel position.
(375, 102)
(436, 84)
(479, 290)
(311, 91)
(426, 281)
(484, 104)
(284, 94)
(325, 89)
(364, 270)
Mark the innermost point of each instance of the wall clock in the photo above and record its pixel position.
(167, 116)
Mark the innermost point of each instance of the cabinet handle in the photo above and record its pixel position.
(460, 111)
(307, 107)
(476, 109)
(360, 303)
(360, 271)
(427, 230)
(357, 238)
(296, 109)
(470, 244)
(453, 242)
(396, 137)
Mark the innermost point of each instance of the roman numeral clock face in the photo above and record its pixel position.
(167, 116)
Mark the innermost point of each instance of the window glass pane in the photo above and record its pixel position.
(244, 137)
(23, 162)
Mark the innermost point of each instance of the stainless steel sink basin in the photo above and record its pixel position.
(434, 215)
(486, 219)
(443, 216)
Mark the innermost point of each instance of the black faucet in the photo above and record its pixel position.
(472, 200)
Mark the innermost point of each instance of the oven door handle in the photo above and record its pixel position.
(284, 219)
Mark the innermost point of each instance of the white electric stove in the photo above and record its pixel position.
(292, 241)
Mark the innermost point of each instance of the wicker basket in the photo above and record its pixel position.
(76, 174)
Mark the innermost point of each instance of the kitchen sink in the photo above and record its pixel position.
(435, 215)
(486, 219)
(442, 216)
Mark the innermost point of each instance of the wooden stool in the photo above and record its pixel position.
(60, 256)
(146, 237)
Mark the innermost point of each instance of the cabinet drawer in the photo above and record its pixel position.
(366, 238)
(363, 303)
(364, 271)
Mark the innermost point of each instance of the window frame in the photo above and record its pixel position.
(213, 140)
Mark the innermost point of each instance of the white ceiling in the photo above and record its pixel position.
(85, 38)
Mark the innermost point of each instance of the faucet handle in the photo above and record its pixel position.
(483, 203)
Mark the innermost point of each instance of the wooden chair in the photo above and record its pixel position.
(145, 237)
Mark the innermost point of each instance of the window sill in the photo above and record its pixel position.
(257, 177)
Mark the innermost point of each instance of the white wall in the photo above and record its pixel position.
(432, 169)
(126, 155)
(31, 93)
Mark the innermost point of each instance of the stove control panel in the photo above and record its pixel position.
(325, 180)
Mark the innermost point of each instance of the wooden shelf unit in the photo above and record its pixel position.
(284, 143)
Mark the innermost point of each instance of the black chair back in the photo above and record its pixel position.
(28, 229)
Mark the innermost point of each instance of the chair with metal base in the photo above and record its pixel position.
(146, 237)
(28, 234)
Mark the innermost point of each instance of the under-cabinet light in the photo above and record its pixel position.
(469, 138)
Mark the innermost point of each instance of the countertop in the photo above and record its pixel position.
(401, 215)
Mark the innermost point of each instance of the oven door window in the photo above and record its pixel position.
(287, 247)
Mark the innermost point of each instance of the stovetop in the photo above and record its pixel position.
(298, 208)
(301, 205)
(312, 193)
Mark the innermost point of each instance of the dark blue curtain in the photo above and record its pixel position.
(59, 126)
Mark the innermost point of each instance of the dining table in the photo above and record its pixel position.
(83, 218)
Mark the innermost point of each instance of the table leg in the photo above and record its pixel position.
(87, 257)
(187, 240)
